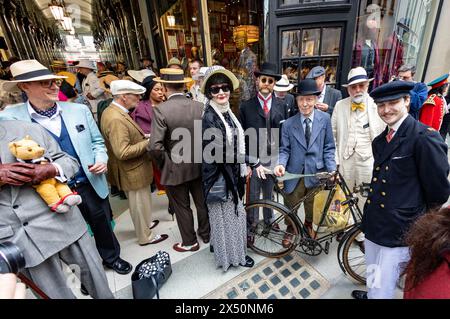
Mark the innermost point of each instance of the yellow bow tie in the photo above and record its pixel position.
(356, 106)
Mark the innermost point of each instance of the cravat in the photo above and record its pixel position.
(266, 103)
(48, 113)
(307, 131)
(358, 106)
(390, 135)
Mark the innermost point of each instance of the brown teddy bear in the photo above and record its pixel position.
(58, 196)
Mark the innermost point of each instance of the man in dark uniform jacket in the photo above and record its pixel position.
(265, 114)
(410, 177)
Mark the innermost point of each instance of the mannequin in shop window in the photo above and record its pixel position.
(247, 65)
(394, 49)
(366, 52)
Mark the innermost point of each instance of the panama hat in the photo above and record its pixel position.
(174, 61)
(28, 71)
(105, 82)
(141, 75)
(119, 87)
(172, 76)
(283, 85)
(87, 64)
(357, 75)
(213, 70)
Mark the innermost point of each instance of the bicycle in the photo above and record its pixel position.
(269, 240)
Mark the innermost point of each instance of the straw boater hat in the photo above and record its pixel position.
(172, 76)
(174, 61)
(105, 82)
(357, 75)
(141, 75)
(28, 71)
(87, 64)
(126, 87)
(283, 85)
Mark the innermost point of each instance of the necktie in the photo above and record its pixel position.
(390, 135)
(266, 103)
(307, 130)
(358, 106)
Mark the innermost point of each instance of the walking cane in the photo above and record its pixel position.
(32, 286)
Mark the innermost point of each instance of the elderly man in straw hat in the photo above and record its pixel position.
(91, 88)
(356, 123)
(127, 148)
(180, 176)
(73, 127)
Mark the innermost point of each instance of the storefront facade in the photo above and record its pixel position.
(297, 35)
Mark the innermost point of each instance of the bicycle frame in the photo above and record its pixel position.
(352, 206)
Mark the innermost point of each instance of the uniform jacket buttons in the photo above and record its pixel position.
(383, 181)
(377, 169)
(383, 194)
(382, 205)
(375, 179)
(387, 168)
(368, 201)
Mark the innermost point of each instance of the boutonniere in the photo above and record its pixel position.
(80, 128)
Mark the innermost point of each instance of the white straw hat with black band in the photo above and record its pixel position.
(283, 85)
(357, 75)
(28, 71)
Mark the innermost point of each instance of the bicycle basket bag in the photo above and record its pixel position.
(337, 215)
(150, 275)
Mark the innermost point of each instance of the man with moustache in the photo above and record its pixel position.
(265, 114)
(409, 179)
(356, 123)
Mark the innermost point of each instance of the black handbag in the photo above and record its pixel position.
(218, 192)
(150, 275)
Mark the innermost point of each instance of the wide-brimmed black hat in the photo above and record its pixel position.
(268, 69)
(308, 87)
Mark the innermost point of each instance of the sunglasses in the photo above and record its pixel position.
(265, 80)
(49, 83)
(216, 89)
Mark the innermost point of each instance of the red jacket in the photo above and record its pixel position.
(432, 111)
(435, 286)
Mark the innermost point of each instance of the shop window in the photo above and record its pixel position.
(392, 33)
(181, 29)
(306, 48)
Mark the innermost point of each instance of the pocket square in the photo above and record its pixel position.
(80, 128)
(399, 157)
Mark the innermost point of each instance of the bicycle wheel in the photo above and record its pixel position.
(353, 257)
(278, 238)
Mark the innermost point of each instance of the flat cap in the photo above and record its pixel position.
(392, 91)
(316, 72)
(126, 87)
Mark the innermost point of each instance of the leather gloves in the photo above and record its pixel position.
(16, 174)
(43, 172)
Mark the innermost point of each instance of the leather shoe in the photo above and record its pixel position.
(205, 240)
(120, 266)
(249, 262)
(83, 290)
(359, 294)
(182, 249)
(156, 240)
(154, 223)
(211, 248)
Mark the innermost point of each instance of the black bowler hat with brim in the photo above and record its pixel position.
(392, 91)
(308, 87)
(270, 70)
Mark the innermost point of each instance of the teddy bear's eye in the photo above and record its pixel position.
(30, 150)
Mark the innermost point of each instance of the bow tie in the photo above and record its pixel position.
(358, 106)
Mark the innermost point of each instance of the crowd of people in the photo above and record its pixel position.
(105, 130)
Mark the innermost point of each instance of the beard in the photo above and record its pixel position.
(358, 99)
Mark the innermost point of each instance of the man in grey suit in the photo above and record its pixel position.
(45, 238)
(307, 147)
(328, 96)
(179, 175)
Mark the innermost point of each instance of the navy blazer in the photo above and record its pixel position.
(297, 158)
(409, 177)
(332, 96)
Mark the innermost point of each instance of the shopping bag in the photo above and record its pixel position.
(337, 215)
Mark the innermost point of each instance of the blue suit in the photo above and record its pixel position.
(297, 158)
(84, 134)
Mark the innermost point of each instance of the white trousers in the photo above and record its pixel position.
(384, 267)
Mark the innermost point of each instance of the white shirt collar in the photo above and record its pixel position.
(322, 95)
(397, 125)
(120, 107)
(34, 114)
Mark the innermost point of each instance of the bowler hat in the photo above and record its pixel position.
(268, 69)
(308, 87)
(392, 91)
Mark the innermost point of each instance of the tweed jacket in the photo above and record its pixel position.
(130, 166)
